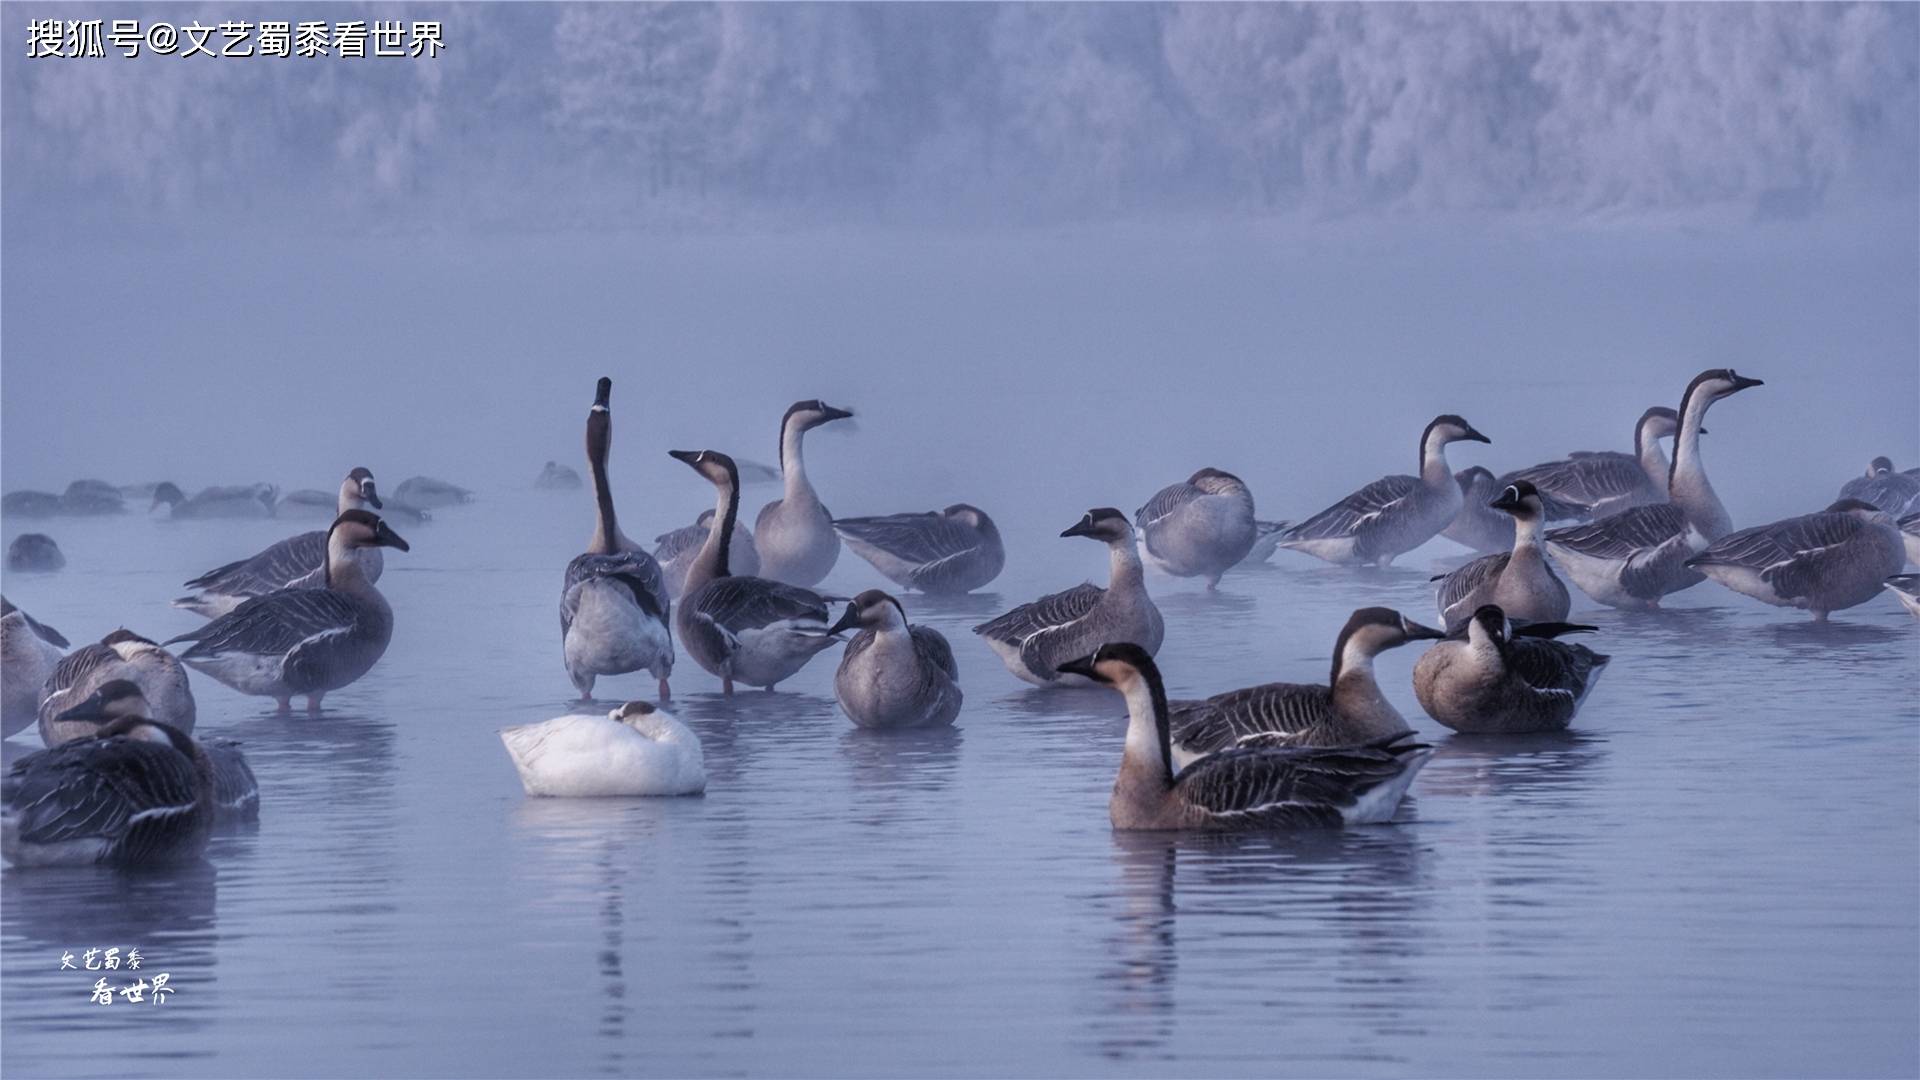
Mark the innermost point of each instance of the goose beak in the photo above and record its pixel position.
(1741, 382)
(1419, 632)
(685, 456)
(1504, 503)
(1081, 528)
(1082, 666)
(93, 709)
(849, 619)
(368, 492)
(838, 414)
(386, 537)
(1474, 435)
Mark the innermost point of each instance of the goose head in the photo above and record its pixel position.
(1658, 422)
(1119, 664)
(717, 467)
(167, 492)
(363, 529)
(1105, 524)
(1715, 383)
(1522, 500)
(807, 415)
(871, 610)
(359, 487)
(1449, 428)
(1217, 482)
(116, 699)
(1880, 466)
(1489, 626)
(971, 516)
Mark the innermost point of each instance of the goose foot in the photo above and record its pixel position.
(286, 705)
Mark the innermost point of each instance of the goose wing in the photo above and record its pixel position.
(78, 665)
(636, 570)
(96, 788)
(751, 603)
(274, 568)
(1287, 787)
(276, 624)
(927, 541)
(931, 647)
(1625, 534)
(1889, 491)
(1553, 666)
(1463, 583)
(1270, 714)
(671, 545)
(1050, 611)
(1574, 485)
(1357, 512)
(236, 793)
(1789, 555)
(1164, 504)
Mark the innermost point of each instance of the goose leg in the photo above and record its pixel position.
(313, 703)
(286, 705)
(666, 693)
(726, 685)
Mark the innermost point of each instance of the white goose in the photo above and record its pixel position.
(636, 749)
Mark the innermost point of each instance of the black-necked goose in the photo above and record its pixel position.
(29, 652)
(1907, 588)
(946, 552)
(1394, 514)
(296, 562)
(615, 615)
(1491, 678)
(751, 630)
(1897, 493)
(1034, 639)
(676, 550)
(1592, 484)
(34, 553)
(636, 749)
(1200, 528)
(1635, 557)
(1243, 789)
(1820, 562)
(1520, 581)
(894, 674)
(119, 656)
(795, 532)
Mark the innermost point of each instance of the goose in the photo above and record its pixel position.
(1822, 562)
(1910, 536)
(426, 493)
(1034, 639)
(306, 502)
(1266, 541)
(557, 477)
(1392, 515)
(29, 651)
(1491, 678)
(946, 552)
(34, 553)
(134, 790)
(90, 498)
(1895, 492)
(894, 674)
(1907, 588)
(1633, 558)
(1241, 789)
(636, 749)
(1349, 710)
(614, 610)
(238, 501)
(304, 640)
(1476, 524)
(1200, 528)
(794, 532)
(298, 562)
(120, 656)
(675, 552)
(1520, 581)
(1592, 484)
(742, 629)
(30, 504)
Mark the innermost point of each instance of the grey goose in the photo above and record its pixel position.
(794, 533)
(1394, 514)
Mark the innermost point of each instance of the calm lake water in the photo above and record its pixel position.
(1717, 872)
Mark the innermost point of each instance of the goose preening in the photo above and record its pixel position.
(794, 532)
(894, 674)
(1910, 536)
(1633, 558)
(1394, 514)
(1034, 639)
(121, 656)
(294, 563)
(1476, 524)
(1200, 528)
(305, 640)
(1907, 588)
(1895, 492)
(636, 749)
(557, 477)
(751, 630)
(1495, 678)
(29, 652)
(233, 501)
(1519, 581)
(1820, 562)
(426, 493)
(614, 610)
(1349, 710)
(948, 552)
(1589, 484)
(34, 553)
(1246, 788)
(675, 552)
(1266, 541)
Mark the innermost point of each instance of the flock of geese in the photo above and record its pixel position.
(124, 780)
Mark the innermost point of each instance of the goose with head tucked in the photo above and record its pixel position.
(675, 552)
(944, 552)
(894, 674)
(794, 533)
(1520, 581)
(615, 615)
(636, 749)
(751, 630)
(1244, 788)
(306, 640)
(1394, 514)
(1034, 639)
(557, 477)
(1895, 492)
(30, 504)
(106, 696)
(1633, 558)
(1492, 677)
(1200, 528)
(230, 501)
(1590, 484)
(298, 562)
(1906, 587)
(1476, 524)
(29, 652)
(34, 553)
(1822, 562)
(121, 655)
(427, 493)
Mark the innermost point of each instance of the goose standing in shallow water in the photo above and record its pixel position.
(1493, 679)
(1241, 789)
(1034, 639)
(1476, 524)
(894, 674)
(1592, 484)
(1520, 581)
(636, 749)
(946, 552)
(794, 532)
(29, 652)
(1394, 514)
(298, 562)
(1820, 562)
(614, 611)
(306, 640)
(675, 552)
(120, 656)
(1907, 588)
(743, 629)
(1633, 558)
(1895, 492)
(1200, 528)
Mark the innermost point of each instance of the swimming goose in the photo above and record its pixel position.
(89, 498)
(1520, 581)
(426, 493)
(35, 553)
(1349, 710)
(794, 532)
(1895, 492)
(1394, 514)
(949, 552)
(239, 501)
(29, 651)
(636, 749)
(743, 629)
(306, 640)
(1633, 558)
(614, 610)
(1910, 536)
(1266, 541)
(1476, 524)
(1907, 588)
(1589, 484)
(298, 562)
(675, 552)
(1245, 788)
(120, 656)
(134, 790)
(1820, 562)
(557, 477)
(1034, 639)
(1493, 678)
(893, 674)
(1200, 528)
(30, 504)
